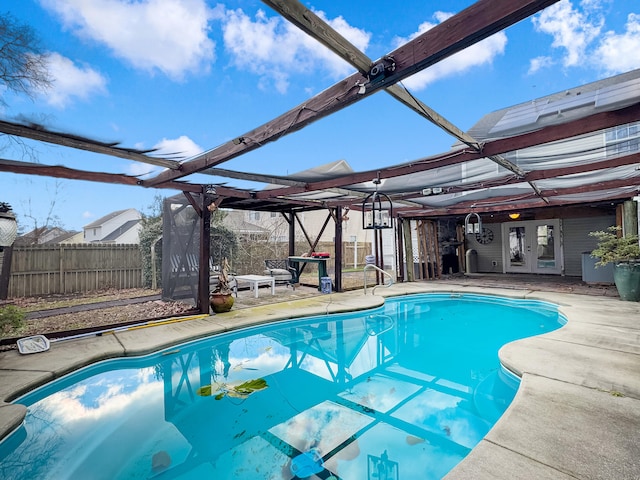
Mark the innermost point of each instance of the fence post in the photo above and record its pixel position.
(5, 271)
(61, 283)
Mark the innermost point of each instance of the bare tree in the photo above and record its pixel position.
(24, 70)
(23, 64)
(41, 220)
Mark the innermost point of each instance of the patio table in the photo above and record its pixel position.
(321, 262)
(255, 281)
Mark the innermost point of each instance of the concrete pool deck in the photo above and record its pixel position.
(576, 413)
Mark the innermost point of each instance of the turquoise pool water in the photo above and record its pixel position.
(404, 391)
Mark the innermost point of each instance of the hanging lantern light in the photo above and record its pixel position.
(377, 210)
(8, 226)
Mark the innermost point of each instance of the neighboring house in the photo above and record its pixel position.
(556, 240)
(128, 232)
(238, 222)
(72, 237)
(122, 226)
(275, 228)
(67, 237)
(313, 220)
(42, 235)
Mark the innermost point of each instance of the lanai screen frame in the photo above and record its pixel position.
(464, 29)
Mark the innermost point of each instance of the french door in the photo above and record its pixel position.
(532, 247)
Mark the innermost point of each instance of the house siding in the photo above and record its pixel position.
(575, 236)
(489, 253)
(278, 230)
(576, 240)
(100, 229)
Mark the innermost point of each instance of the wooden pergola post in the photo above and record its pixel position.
(338, 250)
(205, 251)
(408, 247)
(292, 233)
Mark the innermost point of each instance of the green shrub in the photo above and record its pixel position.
(612, 248)
(150, 232)
(11, 318)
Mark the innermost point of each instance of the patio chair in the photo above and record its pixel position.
(282, 271)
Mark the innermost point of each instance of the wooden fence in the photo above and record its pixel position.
(73, 268)
(78, 268)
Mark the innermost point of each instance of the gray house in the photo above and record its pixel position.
(121, 226)
(555, 240)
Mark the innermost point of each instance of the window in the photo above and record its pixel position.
(274, 214)
(256, 215)
(623, 140)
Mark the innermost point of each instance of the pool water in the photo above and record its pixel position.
(402, 391)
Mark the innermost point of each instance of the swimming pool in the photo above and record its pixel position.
(405, 390)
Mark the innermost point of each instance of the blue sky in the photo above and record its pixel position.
(188, 75)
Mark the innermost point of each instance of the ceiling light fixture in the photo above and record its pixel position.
(432, 191)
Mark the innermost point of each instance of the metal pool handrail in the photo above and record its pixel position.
(364, 271)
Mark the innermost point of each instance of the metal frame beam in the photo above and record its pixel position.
(592, 123)
(318, 29)
(475, 23)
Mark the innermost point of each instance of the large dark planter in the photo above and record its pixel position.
(627, 279)
(221, 302)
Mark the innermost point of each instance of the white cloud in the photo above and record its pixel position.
(182, 146)
(572, 30)
(577, 32)
(539, 63)
(621, 53)
(170, 36)
(87, 214)
(338, 67)
(275, 49)
(179, 148)
(481, 53)
(70, 81)
(72, 410)
(139, 169)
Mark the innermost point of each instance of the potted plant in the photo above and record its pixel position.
(8, 225)
(221, 298)
(624, 253)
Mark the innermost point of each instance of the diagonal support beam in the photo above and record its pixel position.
(317, 28)
(588, 124)
(255, 177)
(609, 190)
(272, 179)
(475, 23)
(39, 133)
(534, 175)
(58, 171)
